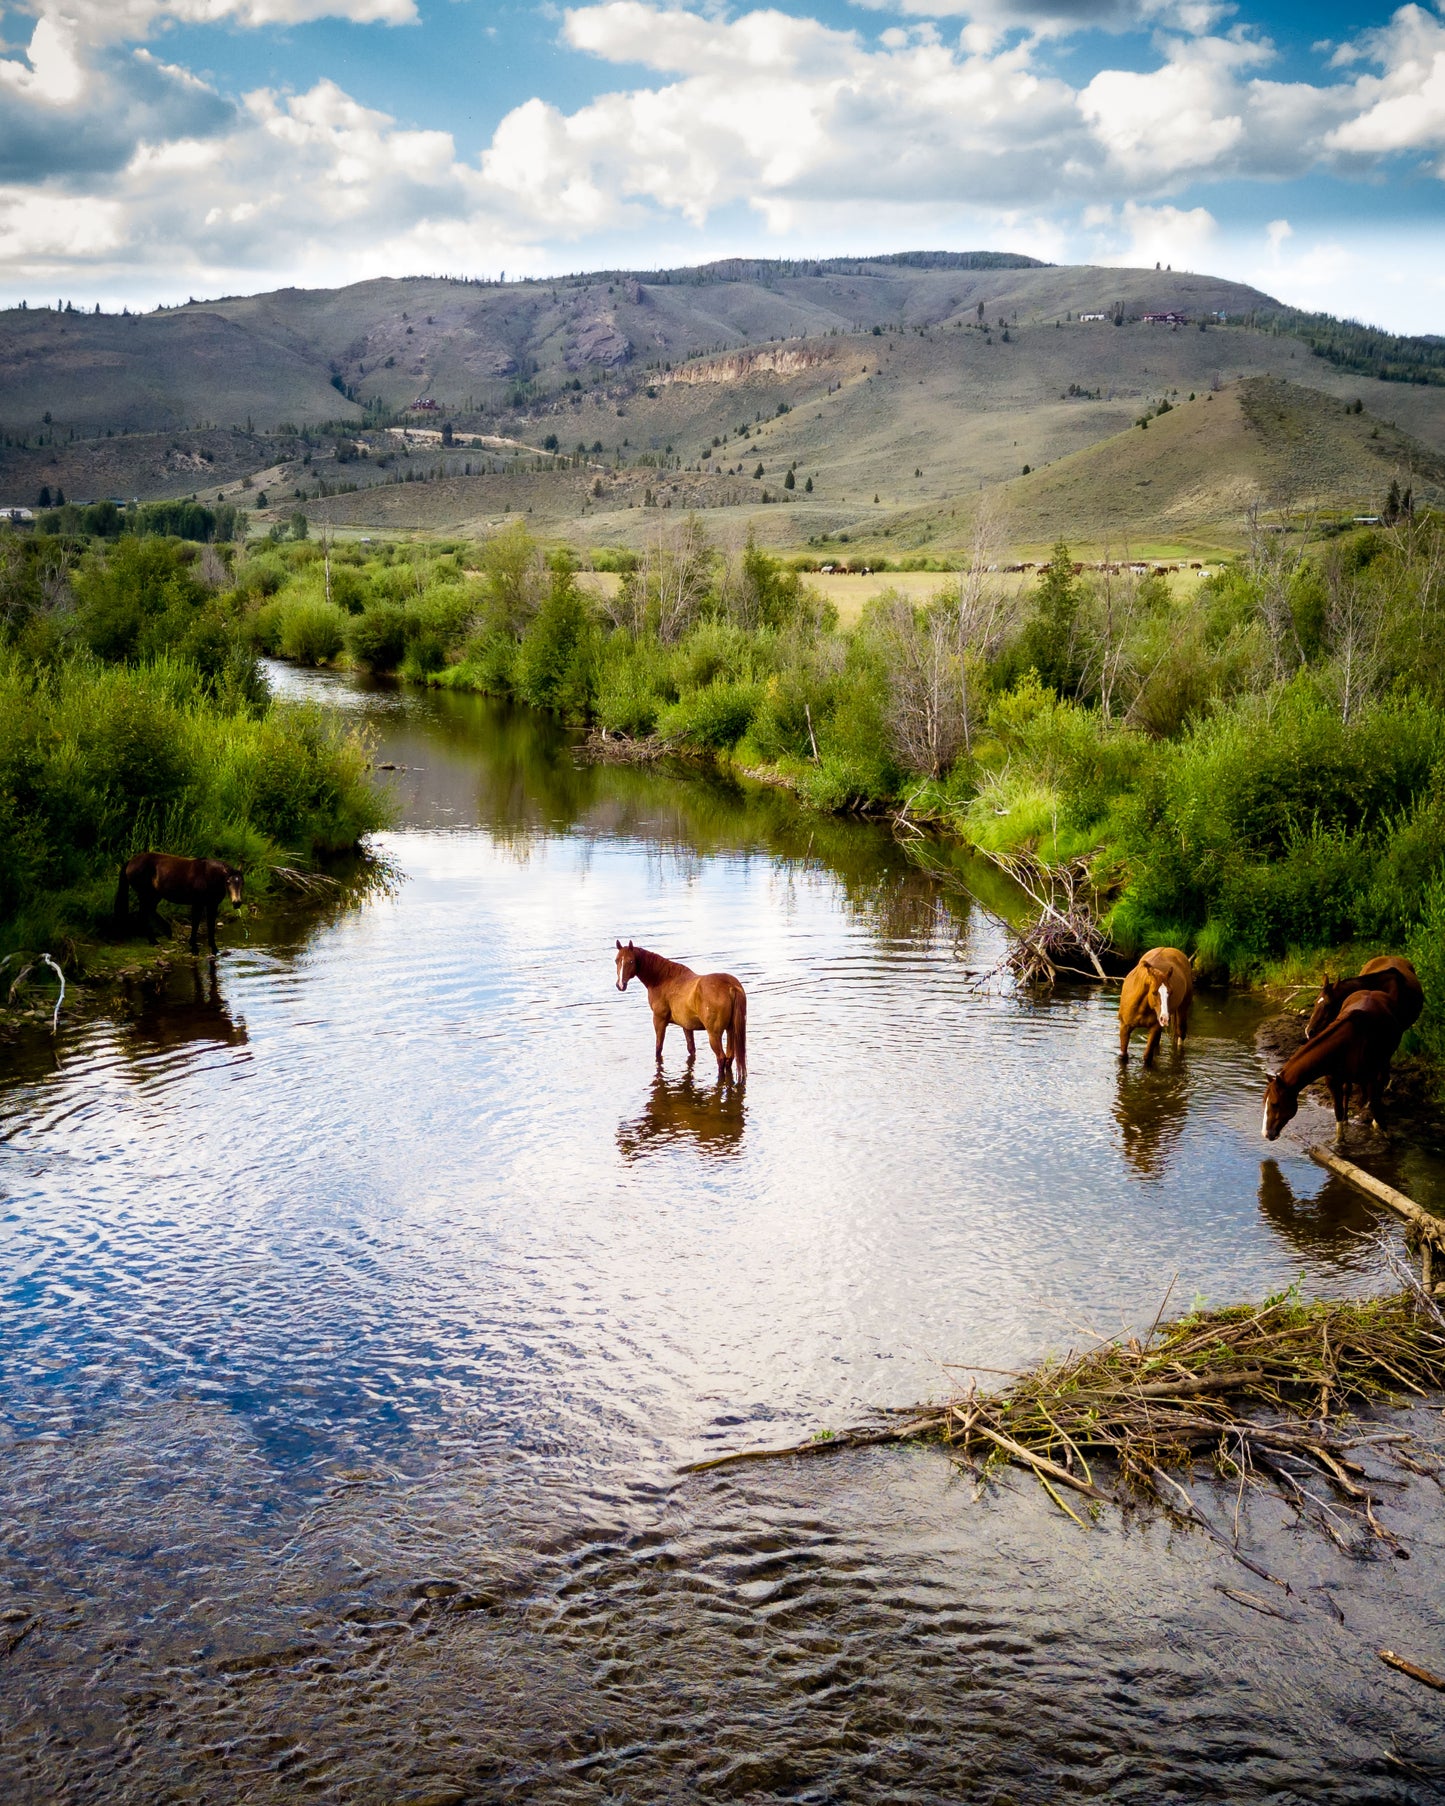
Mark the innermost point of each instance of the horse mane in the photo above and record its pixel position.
(653, 968)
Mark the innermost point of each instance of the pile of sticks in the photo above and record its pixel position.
(1064, 937)
(1264, 1395)
(602, 748)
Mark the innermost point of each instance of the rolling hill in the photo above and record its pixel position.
(899, 387)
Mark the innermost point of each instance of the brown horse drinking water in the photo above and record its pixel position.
(1355, 1049)
(168, 877)
(714, 1001)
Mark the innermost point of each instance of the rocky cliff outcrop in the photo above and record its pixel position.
(735, 366)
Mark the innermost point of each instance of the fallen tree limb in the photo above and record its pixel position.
(1236, 1391)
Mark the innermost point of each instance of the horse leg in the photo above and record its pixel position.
(1340, 1096)
(724, 1058)
(1377, 1098)
(1125, 1030)
(150, 915)
(691, 1045)
(660, 1022)
(212, 910)
(196, 910)
(1151, 1046)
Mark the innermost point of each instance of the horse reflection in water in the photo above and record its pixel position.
(1326, 1226)
(186, 1006)
(679, 1111)
(1150, 1109)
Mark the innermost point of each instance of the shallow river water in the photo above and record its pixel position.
(363, 1295)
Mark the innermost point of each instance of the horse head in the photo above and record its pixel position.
(1327, 1006)
(235, 883)
(1280, 1105)
(626, 964)
(1158, 993)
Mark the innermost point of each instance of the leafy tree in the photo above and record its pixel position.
(1049, 642)
(557, 657)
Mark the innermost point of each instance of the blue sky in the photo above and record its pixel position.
(151, 149)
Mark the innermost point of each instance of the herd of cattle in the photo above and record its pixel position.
(1350, 1039)
(1104, 567)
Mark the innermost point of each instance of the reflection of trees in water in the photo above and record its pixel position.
(530, 787)
(680, 1110)
(182, 1006)
(1149, 1111)
(1329, 1224)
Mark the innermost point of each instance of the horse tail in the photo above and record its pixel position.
(121, 888)
(740, 1031)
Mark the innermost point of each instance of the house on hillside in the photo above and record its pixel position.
(1085, 318)
(424, 405)
(17, 517)
(1169, 319)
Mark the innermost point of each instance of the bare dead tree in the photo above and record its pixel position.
(1272, 565)
(1355, 624)
(983, 611)
(669, 586)
(926, 709)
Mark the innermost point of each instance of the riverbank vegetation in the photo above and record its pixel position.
(133, 714)
(1254, 765)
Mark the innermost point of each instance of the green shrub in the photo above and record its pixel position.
(556, 660)
(376, 639)
(716, 716)
(633, 685)
(1426, 947)
(311, 633)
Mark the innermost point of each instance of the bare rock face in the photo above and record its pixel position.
(490, 360)
(735, 366)
(597, 340)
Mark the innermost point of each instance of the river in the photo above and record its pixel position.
(363, 1296)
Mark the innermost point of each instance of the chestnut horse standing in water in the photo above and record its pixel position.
(1157, 995)
(168, 877)
(1355, 1049)
(713, 1000)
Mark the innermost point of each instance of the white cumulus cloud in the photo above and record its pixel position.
(809, 130)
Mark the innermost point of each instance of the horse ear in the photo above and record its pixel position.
(619, 946)
(629, 946)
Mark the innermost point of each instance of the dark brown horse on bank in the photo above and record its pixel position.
(714, 1001)
(1355, 1049)
(1391, 976)
(169, 878)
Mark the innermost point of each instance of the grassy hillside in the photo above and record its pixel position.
(1193, 473)
(898, 387)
